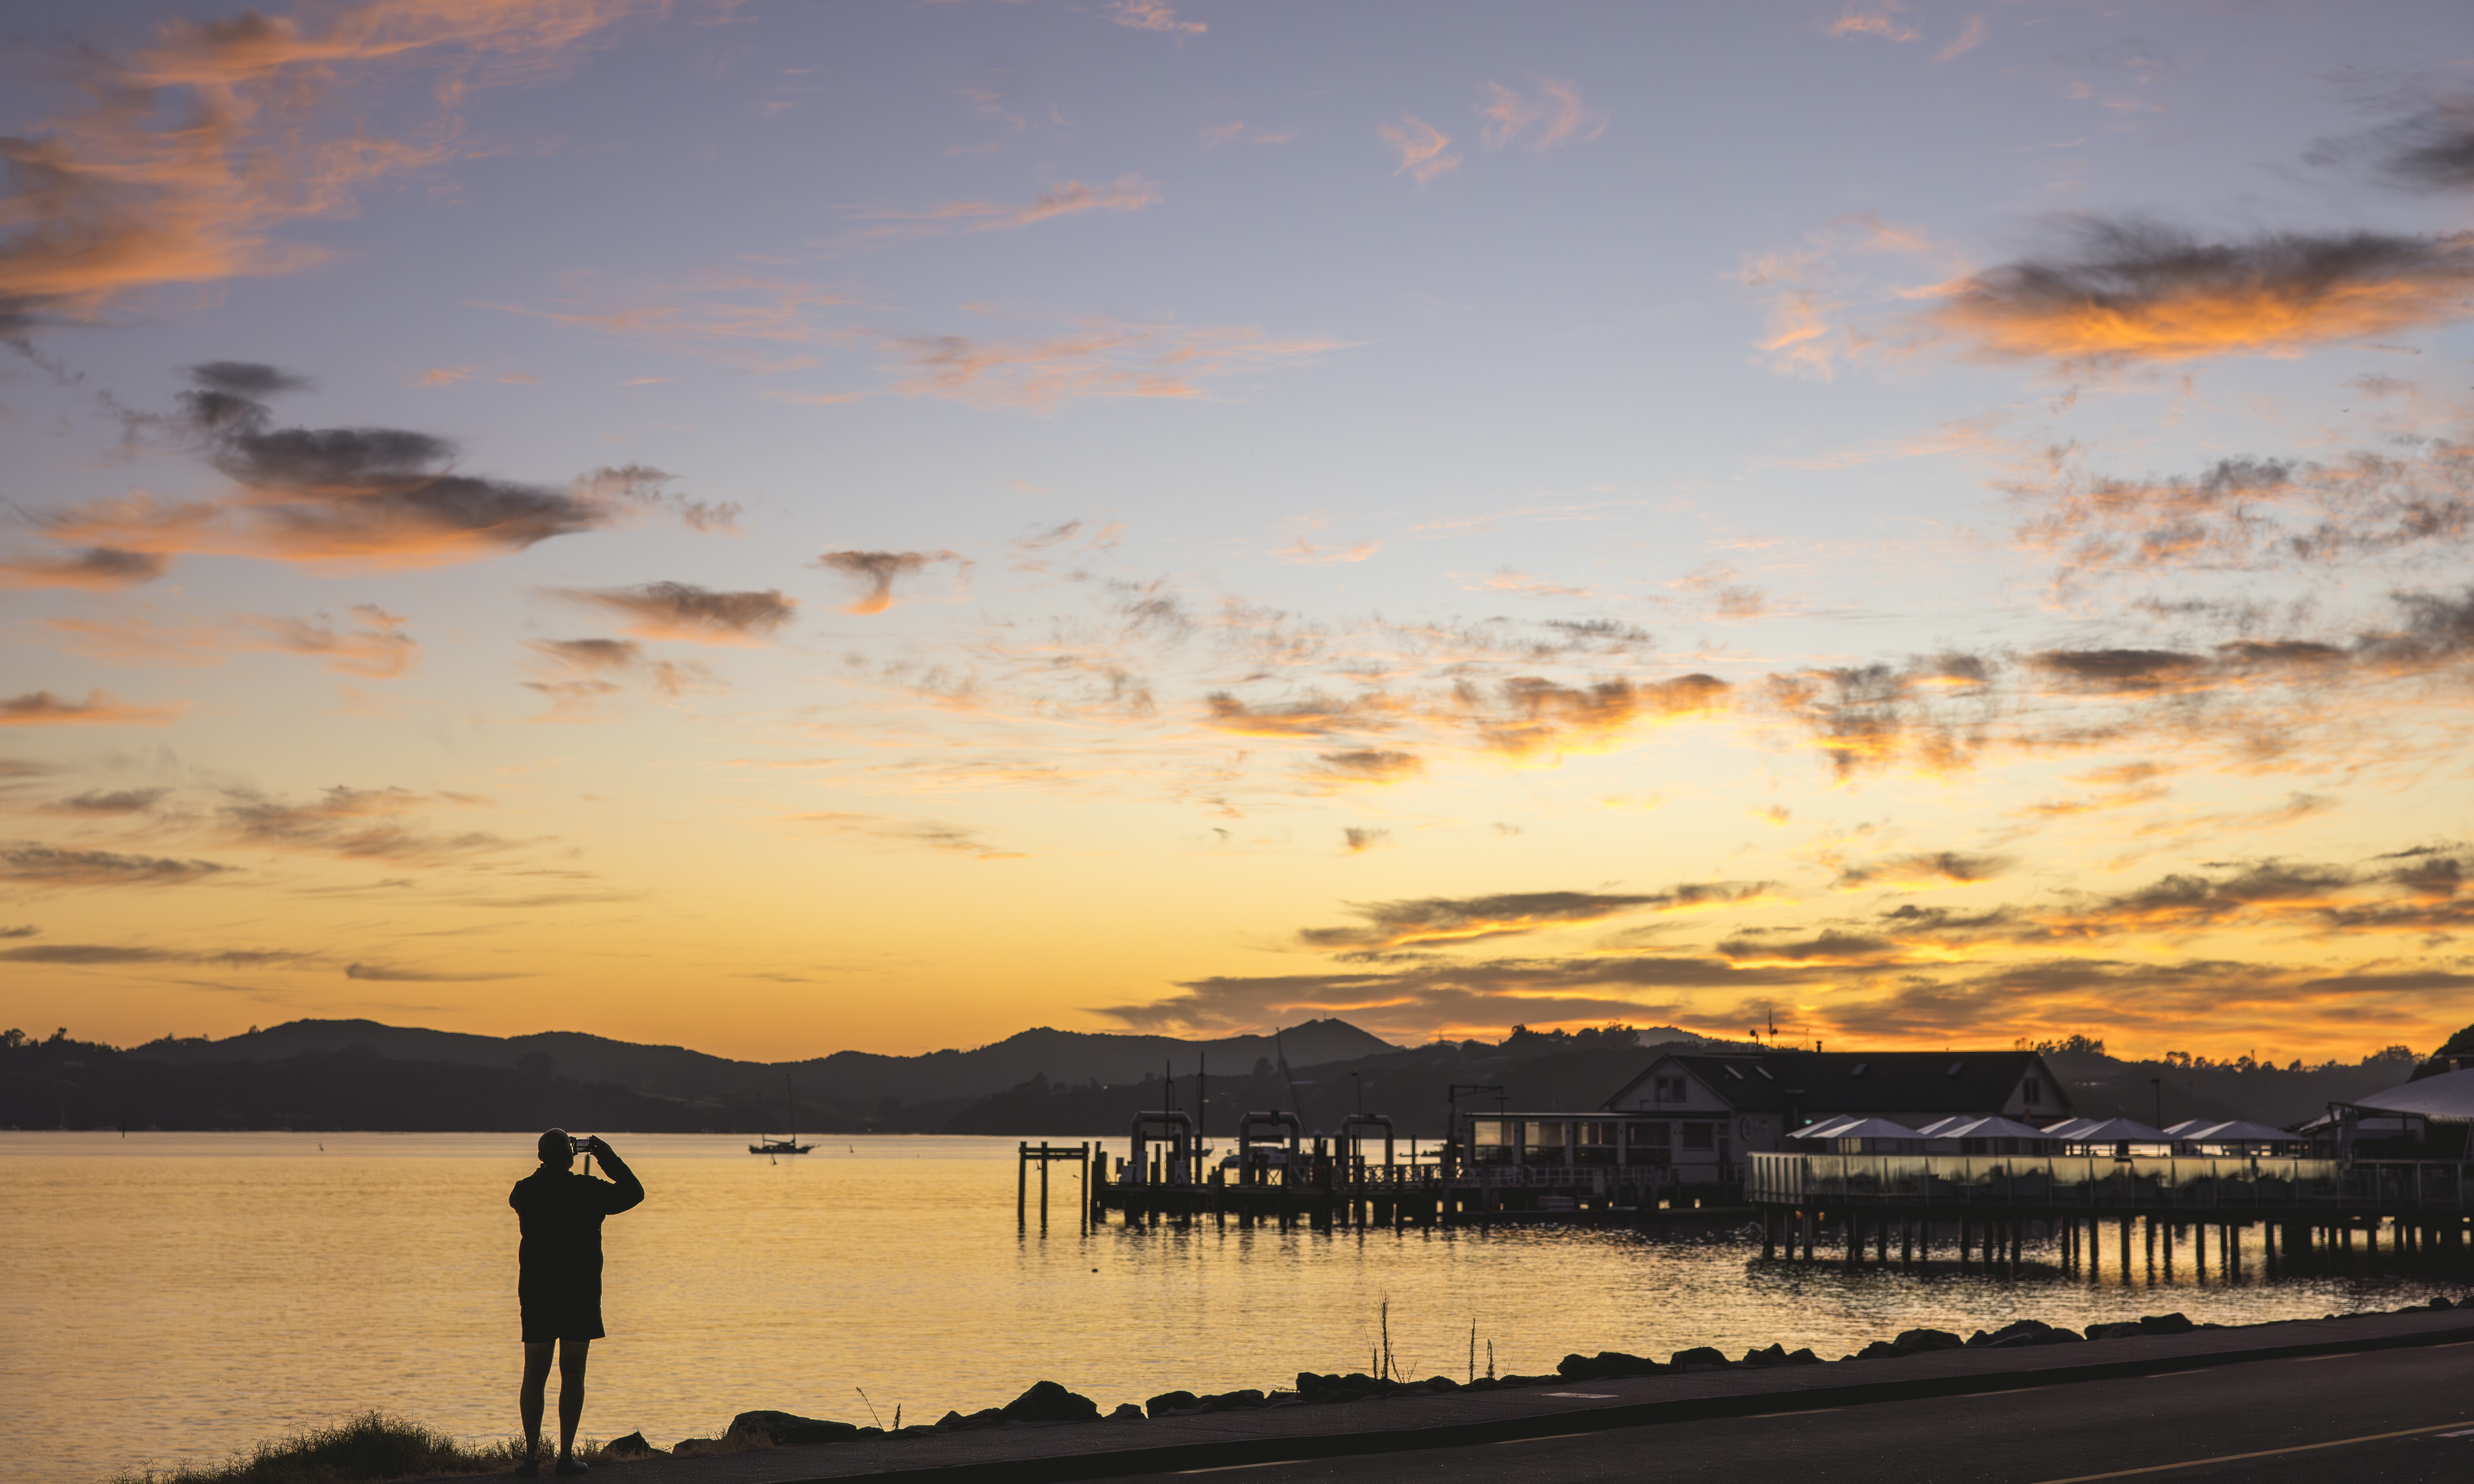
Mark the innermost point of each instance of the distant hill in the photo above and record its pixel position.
(848, 1090)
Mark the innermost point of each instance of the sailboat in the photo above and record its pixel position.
(790, 1144)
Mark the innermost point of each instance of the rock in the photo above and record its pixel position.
(1917, 1341)
(1309, 1383)
(2117, 1331)
(1049, 1403)
(1245, 1400)
(2164, 1323)
(1879, 1349)
(949, 1420)
(632, 1445)
(918, 1430)
(1168, 1401)
(807, 1434)
(1700, 1358)
(2025, 1337)
(1442, 1383)
(1803, 1357)
(1531, 1381)
(956, 1422)
(1774, 1356)
(2011, 1331)
(1126, 1411)
(2438, 1305)
(1606, 1362)
(1483, 1383)
(694, 1445)
(776, 1426)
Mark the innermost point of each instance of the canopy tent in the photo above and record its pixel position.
(1862, 1135)
(2239, 1130)
(2107, 1130)
(2448, 1095)
(1993, 1127)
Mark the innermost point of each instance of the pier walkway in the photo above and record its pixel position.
(2396, 1383)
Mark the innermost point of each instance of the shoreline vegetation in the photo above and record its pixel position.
(375, 1448)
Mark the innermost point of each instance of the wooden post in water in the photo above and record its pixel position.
(1021, 1186)
(1043, 1188)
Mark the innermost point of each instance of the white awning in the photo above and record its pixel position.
(2448, 1095)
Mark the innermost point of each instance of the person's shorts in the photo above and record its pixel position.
(561, 1311)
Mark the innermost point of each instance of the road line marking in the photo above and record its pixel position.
(1582, 1396)
(1812, 1412)
(1269, 1463)
(1551, 1438)
(2467, 1433)
(2343, 1354)
(2015, 1390)
(2159, 1375)
(2266, 1452)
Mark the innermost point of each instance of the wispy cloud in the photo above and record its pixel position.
(1966, 40)
(42, 709)
(1127, 193)
(1875, 21)
(931, 834)
(196, 149)
(752, 321)
(1424, 149)
(96, 569)
(1153, 15)
(580, 673)
(26, 863)
(1103, 358)
(1553, 116)
(373, 647)
(696, 615)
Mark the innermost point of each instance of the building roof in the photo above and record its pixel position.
(1994, 1127)
(2448, 1095)
(1862, 1082)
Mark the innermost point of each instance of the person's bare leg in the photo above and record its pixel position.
(529, 1400)
(572, 1357)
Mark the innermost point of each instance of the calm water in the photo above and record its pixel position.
(172, 1297)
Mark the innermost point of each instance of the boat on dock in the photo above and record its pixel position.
(789, 1145)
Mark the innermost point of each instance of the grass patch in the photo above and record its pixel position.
(369, 1449)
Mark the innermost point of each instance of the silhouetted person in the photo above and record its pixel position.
(559, 1280)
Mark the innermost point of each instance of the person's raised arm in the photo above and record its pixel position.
(627, 1192)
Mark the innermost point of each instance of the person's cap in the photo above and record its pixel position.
(553, 1147)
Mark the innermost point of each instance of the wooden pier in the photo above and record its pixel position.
(2309, 1211)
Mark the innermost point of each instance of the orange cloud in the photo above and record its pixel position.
(1877, 21)
(140, 190)
(1422, 148)
(1153, 15)
(1127, 193)
(2137, 291)
(96, 569)
(42, 709)
(1921, 871)
(877, 570)
(1107, 358)
(746, 320)
(1966, 40)
(1558, 110)
(376, 649)
(1305, 553)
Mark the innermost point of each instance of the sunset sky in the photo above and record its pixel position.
(781, 526)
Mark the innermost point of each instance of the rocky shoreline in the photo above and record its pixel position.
(1048, 1403)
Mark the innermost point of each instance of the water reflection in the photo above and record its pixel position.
(242, 1284)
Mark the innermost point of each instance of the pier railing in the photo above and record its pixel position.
(2106, 1183)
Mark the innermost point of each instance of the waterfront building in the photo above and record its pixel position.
(1694, 1115)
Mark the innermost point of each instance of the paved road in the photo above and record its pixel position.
(2190, 1426)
